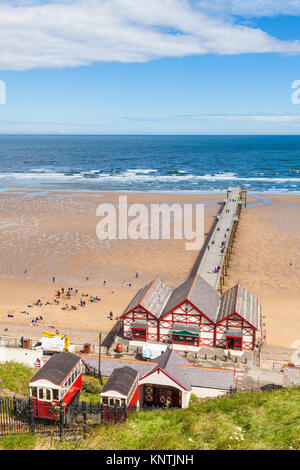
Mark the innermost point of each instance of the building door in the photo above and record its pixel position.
(162, 396)
(234, 343)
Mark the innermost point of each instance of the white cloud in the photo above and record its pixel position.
(66, 33)
(252, 8)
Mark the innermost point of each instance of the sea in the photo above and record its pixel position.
(192, 164)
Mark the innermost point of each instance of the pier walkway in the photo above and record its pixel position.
(219, 245)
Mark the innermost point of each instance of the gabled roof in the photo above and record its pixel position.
(200, 293)
(121, 380)
(153, 297)
(170, 362)
(57, 368)
(239, 300)
(178, 295)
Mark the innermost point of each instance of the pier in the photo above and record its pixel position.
(219, 246)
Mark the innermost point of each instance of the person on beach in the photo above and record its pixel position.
(53, 279)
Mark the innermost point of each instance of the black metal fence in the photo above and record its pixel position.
(22, 416)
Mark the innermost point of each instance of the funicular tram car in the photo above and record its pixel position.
(58, 381)
(121, 390)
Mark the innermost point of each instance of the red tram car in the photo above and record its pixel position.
(59, 380)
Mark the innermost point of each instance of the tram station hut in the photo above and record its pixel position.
(140, 318)
(59, 379)
(190, 314)
(173, 379)
(238, 320)
(122, 387)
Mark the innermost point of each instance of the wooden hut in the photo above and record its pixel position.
(238, 320)
(140, 318)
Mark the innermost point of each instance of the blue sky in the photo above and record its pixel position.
(140, 67)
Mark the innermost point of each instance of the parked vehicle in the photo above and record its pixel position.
(150, 351)
(52, 342)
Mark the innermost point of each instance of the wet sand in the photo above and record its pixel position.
(266, 261)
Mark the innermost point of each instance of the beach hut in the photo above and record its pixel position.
(58, 381)
(140, 318)
(190, 314)
(238, 320)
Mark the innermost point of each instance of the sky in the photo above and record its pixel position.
(150, 67)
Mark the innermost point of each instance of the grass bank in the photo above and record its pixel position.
(267, 420)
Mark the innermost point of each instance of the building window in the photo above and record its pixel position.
(41, 393)
(34, 392)
(185, 340)
(48, 394)
(55, 394)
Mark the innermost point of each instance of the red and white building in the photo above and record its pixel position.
(192, 315)
(141, 317)
(189, 316)
(238, 320)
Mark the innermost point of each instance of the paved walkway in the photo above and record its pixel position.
(212, 256)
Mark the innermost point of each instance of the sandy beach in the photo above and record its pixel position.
(54, 234)
(46, 234)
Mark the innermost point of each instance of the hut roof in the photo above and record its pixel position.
(57, 368)
(121, 380)
(153, 297)
(200, 293)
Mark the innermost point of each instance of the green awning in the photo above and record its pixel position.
(184, 329)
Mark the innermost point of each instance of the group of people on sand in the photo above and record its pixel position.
(67, 293)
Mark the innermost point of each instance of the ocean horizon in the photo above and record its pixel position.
(151, 163)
